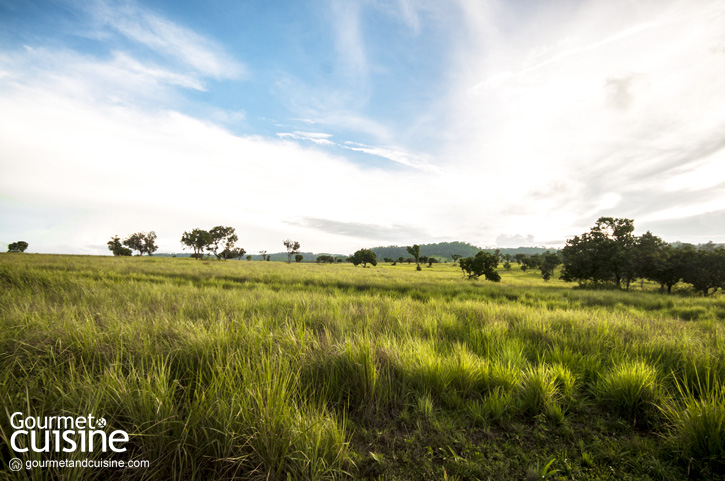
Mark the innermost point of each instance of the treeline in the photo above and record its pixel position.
(219, 241)
(610, 254)
(444, 251)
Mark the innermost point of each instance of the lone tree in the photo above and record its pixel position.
(198, 240)
(18, 246)
(149, 243)
(224, 238)
(142, 242)
(414, 251)
(115, 246)
(482, 264)
(299, 257)
(549, 262)
(292, 248)
(455, 258)
(364, 257)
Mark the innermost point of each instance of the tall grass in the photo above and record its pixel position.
(269, 371)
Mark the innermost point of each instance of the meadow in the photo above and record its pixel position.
(268, 370)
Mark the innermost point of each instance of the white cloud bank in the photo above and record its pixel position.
(613, 108)
(592, 108)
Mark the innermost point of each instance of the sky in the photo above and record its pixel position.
(351, 124)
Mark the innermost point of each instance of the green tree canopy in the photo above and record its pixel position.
(604, 254)
(222, 242)
(482, 264)
(115, 246)
(18, 246)
(364, 257)
(197, 240)
(292, 248)
(414, 251)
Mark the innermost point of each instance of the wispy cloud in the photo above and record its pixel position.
(349, 40)
(168, 39)
(395, 155)
(316, 137)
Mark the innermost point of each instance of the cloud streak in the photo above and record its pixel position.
(166, 38)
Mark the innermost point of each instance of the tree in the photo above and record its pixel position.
(704, 269)
(233, 253)
(142, 242)
(530, 262)
(249, 258)
(198, 240)
(649, 257)
(115, 246)
(136, 242)
(519, 258)
(149, 243)
(299, 257)
(455, 258)
(549, 262)
(602, 255)
(324, 258)
(414, 251)
(222, 238)
(292, 248)
(18, 246)
(431, 261)
(667, 266)
(482, 264)
(264, 255)
(364, 257)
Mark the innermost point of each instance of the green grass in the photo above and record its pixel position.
(261, 370)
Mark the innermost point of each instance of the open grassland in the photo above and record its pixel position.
(304, 371)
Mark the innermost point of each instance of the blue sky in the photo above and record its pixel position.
(354, 124)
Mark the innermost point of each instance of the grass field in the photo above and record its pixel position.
(263, 370)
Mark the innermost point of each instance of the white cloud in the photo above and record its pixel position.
(115, 169)
(316, 137)
(396, 155)
(611, 101)
(167, 38)
(609, 109)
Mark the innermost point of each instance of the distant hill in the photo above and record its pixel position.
(445, 250)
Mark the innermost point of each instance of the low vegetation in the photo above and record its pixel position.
(268, 370)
